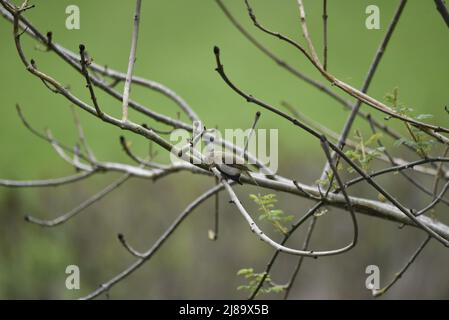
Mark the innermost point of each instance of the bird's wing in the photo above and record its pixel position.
(242, 167)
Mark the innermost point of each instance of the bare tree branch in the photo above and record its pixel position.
(397, 276)
(78, 209)
(46, 183)
(335, 148)
(369, 77)
(442, 9)
(325, 41)
(132, 60)
(157, 245)
(82, 158)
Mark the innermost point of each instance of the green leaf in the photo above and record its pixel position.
(276, 217)
(254, 279)
(245, 271)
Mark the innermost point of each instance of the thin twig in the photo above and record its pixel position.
(89, 83)
(417, 184)
(300, 259)
(82, 136)
(46, 183)
(213, 234)
(278, 246)
(435, 201)
(273, 258)
(128, 247)
(43, 136)
(78, 209)
(305, 31)
(439, 172)
(429, 129)
(378, 293)
(442, 9)
(105, 287)
(369, 77)
(151, 164)
(278, 60)
(132, 60)
(396, 168)
(325, 41)
(251, 133)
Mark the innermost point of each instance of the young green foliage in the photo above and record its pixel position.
(365, 150)
(419, 141)
(254, 279)
(278, 219)
(327, 180)
(397, 105)
(275, 216)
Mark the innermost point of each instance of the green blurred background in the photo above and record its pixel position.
(175, 48)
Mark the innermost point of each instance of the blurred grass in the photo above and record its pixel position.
(175, 48)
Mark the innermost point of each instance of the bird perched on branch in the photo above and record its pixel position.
(230, 165)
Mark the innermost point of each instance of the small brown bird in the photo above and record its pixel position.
(231, 166)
